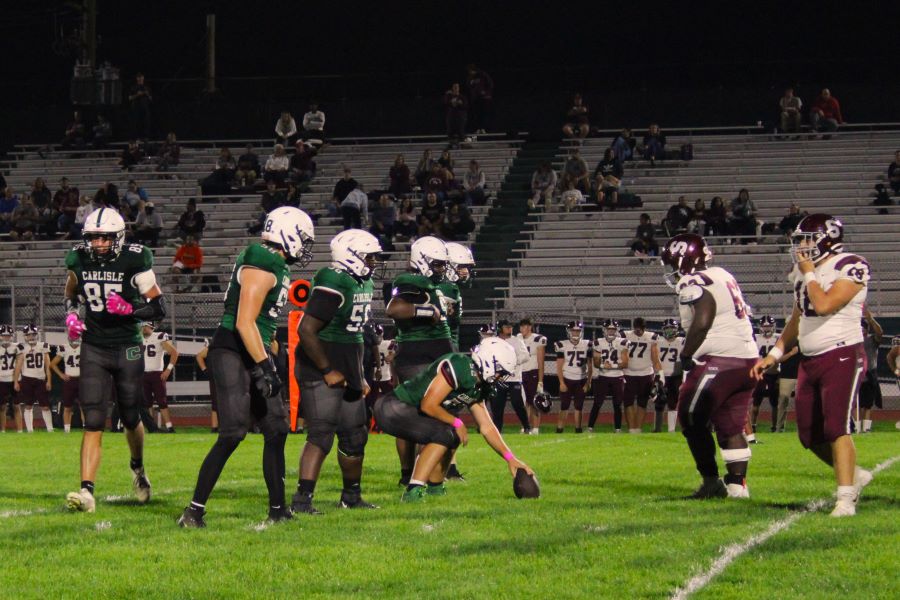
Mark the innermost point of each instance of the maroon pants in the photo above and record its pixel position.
(637, 390)
(33, 391)
(529, 386)
(827, 385)
(767, 387)
(608, 386)
(7, 394)
(70, 393)
(575, 394)
(719, 391)
(154, 390)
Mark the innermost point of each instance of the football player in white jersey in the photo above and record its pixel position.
(670, 346)
(156, 345)
(512, 391)
(767, 388)
(31, 379)
(610, 356)
(830, 292)
(573, 368)
(533, 370)
(718, 352)
(70, 356)
(213, 401)
(8, 396)
(643, 367)
(870, 388)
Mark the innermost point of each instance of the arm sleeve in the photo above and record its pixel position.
(410, 293)
(323, 305)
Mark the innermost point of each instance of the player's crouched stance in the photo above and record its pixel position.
(830, 293)
(424, 410)
(118, 289)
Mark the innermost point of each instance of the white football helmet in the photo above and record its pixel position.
(460, 257)
(104, 223)
(356, 251)
(293, 230)
(428, 257)
(31, 333)
(574, 329)
(7, 335)
(495, 359)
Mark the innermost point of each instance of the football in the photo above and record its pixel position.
(525, 485)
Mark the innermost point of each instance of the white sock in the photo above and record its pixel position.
(867, 425)
(638, 430)
(28, 417)
(168, 424)
(857, 426)
(673, 419)
(158, 419)
(67, 428)
(751, 437)
(416, 482)
(846, 492)
(48, 419)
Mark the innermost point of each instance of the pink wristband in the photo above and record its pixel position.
(508, 456)
(457, 422)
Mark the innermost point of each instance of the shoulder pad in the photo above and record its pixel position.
(654, 337)
(853, 267)
(73, 260)
(261, 257)
(558, 345)
(20, 348)
(689, 294)
(540, 340)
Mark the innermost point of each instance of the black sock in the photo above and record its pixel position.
(738, 479)
(212, 467)
(351, 486)
(413, 485)
(431, 484)
(405, 474)
(137, 464)
(88, 485)
(703, 448)
(273, 467)
(306, 487)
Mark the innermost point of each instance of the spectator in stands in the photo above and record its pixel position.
(75, 133)
(314, 125)
(134, 196)
(882, 198)
(9, 202)
(576, 170)
(458, 223)
(894, 173)
(654, 145)
(141, 101)
(84, 209)
(302, 166)
(623, 146)
(25, 220)
(48, 216)
(148, 226)
(131, 156)
(543, 183)
(473, 185)
(571, 197)
(108, 196)
(101, 133)
(192, 222)
(789, 107)
(742, 220)
(577, 124)
(698, 223)
(423, 168)
(270, 199)
(678, 217)
(187, 264)
(343, 186)
(789, 222)
(447, 163)
(66, 202)
(277, 166)
(607, 179)
(224, 172)
(431, 216)
(644, 243)
(481, 97)
(406, 225)
(457, 113)
(293, 195)
(285, 130)
(383, 217)
(399, 176)
(716, 218)
(437, 182)
(825, 113)
(247, 167)
(169, 153)
(355, 208)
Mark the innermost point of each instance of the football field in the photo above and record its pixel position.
(611, 523)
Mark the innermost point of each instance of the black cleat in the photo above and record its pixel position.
(578, 430)
(355, 501)
(192, 518)
(214, 430)
(453, 473)
(302, 503)
(282, 513)
(710, 489)
(403, 481)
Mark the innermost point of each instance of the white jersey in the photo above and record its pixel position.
(533, 343)
(522, 356)
(731, 334)
(670, 353)
(821, 334)
(71, 359)
(611, 352)
(764, 345)
(153, 351)
(35, 357)
(639, 352)
(8, 362)
(575, 358)
(383, 370)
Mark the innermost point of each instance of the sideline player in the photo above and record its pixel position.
(533, 370)
(670, 347)
(156, 345)
(573, 369)
(329, 367)
(460, 268)
(118, 289)
(248, 388)
(8, 397)
(32, 380)
(512, 388)
(767, 388)
(643, 366)
(830, 289)
(70, 356)
(870, 388)
(718, 352)
(610, 356)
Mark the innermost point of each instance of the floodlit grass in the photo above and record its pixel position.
(611, 524)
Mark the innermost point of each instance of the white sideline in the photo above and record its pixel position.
(731, 552)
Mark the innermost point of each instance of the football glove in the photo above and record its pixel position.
(117, 305)
(264, 379)
(74, 326)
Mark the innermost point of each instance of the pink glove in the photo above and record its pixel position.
(117, 305)
(75, 326)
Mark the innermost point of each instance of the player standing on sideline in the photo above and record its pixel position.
(156, 345)
(512, 388)
(643, 366)
(118, 288)
(32, 380)
(70, 356)
(718, 352)
(670, 347)
(381, 375)
(329, 367)
(533, 370)
(243, 370)
(7, 370)
(787, 384)
(870, 388)
(460, 268)
(213, 404)
(419, 309)
(573, 369)
(610, 356)
(767, 388)
(830, 291)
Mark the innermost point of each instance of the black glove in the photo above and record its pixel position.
(264, 378)
(687, 363)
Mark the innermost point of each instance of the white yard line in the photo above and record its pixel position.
(733, 551)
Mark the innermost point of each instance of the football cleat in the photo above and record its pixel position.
(354, 502)
(861, 478)
(844, 508)
(141, 486)
(417, 494)
(737, 490)
(302, 503)
(279, 514)
(192, 518)
(710, 489)
(436, 490)
(82, 501)
(452, 473)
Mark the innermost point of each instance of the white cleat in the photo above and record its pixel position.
(141, 486)
(535, 430)
(844, 508)
(590, 430)
(861, 478)
(82, 501)
(736, 490)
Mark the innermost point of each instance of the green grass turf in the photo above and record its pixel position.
(611, 523)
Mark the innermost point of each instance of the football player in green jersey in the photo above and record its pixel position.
(425, 409)
(461, 265)
(329, 367)
(243, 372)
(117, 288)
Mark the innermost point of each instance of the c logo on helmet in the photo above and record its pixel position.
(832, 228)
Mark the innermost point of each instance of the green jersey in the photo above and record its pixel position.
(96, 279)
(453, 301)
(267, 259)
(346, 325)
(419, 329)
(459, 371)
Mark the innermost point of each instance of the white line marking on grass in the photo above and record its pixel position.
(733, 551)
(103, 525)
(259, 526)
(7, 514)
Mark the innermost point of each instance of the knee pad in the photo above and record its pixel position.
(450, 439)
(94, 418)
(352, 442)
(736, 455)
(319, 436)
(130, 417)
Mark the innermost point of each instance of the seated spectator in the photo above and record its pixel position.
(698, 222)
(679, 217)
(431, 216)
(825, 113)
(716, 218)
(423, 168)
(247, 167)
(131, 156)
(457, 113)
(302, 166)
(101, 133)
(384, 214)
(654, 145)
(742, 220)
(447, 163)
(169, 153)
(224, 172)
(577, 123)
(293, 195)
(355, 208)
(277, 166)
(84, 209)
(789, 107)
(576, 170)
(314, 125)
(134, 197)
(285, 130)
(623, 146)
(789, 223)
(644, 243)
(270, 199)
(75, 133)
(48, 216)
(543, 184)
(148, 226)
(894, 173)
(406, 225)
(458, 223)
(66, 203)
(192, 222)
(24, 221)
(399, 176)
(473, 185)
(108, 196)
(882, 198)
(9, 202)
(187, 264)
(571, 198)
(437, 182)
(607, 178)
(343, 186)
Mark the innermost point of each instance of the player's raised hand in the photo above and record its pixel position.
(74, 326)
(117, 305)
(761, 366)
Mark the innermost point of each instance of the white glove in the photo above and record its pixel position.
(540, 385)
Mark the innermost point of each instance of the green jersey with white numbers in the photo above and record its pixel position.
(96, 279)
(453, 302)
(420, 329)
(458, 370)
(265, 258)
(346, 325)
